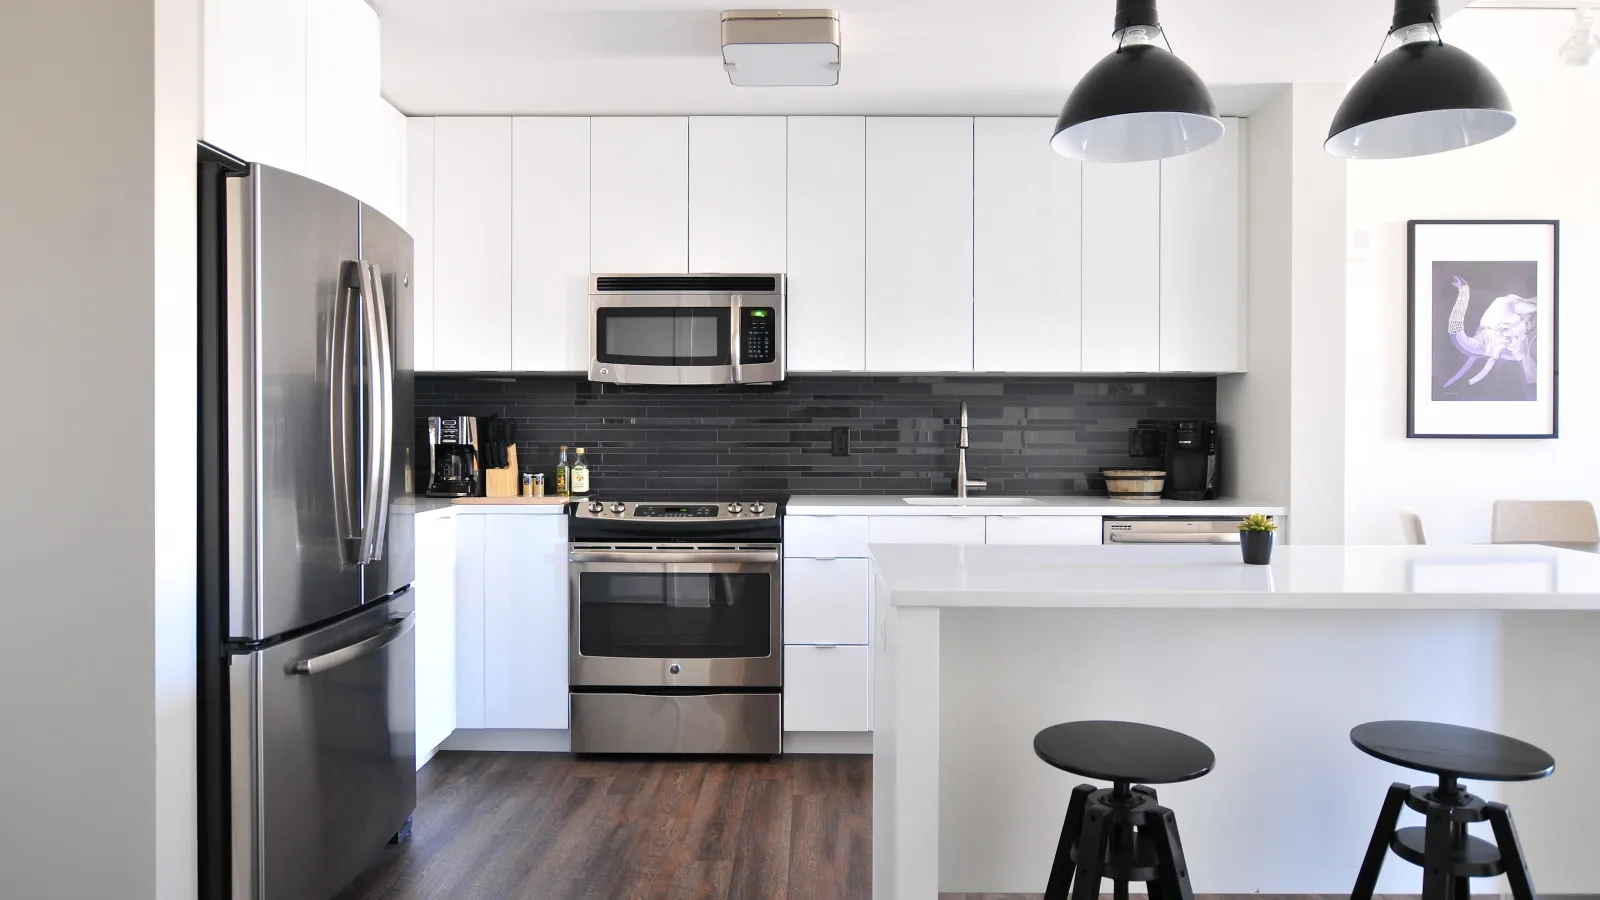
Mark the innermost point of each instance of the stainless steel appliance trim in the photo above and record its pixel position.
(396, 630)
(247, 823)
(342, 419)
(373, 494)
(244, 405)
(647, 672)
(1177, 538)
(655, 555)
(736, 340)
(697, 723)
(629, 508)
(381, 424)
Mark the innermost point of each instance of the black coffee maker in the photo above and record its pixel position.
(450, 456)
(1187, 449)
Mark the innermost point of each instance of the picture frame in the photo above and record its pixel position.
(1482, 328)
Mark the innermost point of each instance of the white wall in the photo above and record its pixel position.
(1284, 420)
(97, 242)
(1545, 168)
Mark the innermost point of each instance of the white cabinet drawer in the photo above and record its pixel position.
(925, 530)
(825, 689)
(1044, 530)
(825, 601)
(825, 536)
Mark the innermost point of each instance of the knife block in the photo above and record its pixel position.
(506, 482)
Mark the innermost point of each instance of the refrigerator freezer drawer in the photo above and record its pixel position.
(324, 747)
(695, 723)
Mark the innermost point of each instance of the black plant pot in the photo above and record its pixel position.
(1257, 547)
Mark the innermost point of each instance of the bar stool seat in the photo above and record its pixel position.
(1448, 854)
(1121, 832)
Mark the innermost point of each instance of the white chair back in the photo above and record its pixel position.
(1411, 527)
(1560, 521)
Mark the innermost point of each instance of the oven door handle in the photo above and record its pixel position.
(673, 556)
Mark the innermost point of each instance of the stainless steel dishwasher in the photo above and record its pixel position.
(1169, 530)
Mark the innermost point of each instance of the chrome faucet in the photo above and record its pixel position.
(962, 481)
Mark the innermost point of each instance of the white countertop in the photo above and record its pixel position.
(1303, 576)
(1040, 506)
(440, 508)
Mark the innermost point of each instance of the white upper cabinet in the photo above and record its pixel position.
(341, 82)
(550, 244)
(736, 193)
(919, 244)
(639, 195)
(472, 244)
(1122, 267)
(1202, 278)
(1027, 249)
(827, 258)
(255, 80)
(419, 222)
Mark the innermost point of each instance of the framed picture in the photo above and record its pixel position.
(1481, 361)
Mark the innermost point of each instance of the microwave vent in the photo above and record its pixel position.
(685, 284)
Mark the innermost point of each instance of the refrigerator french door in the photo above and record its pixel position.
(306, 645)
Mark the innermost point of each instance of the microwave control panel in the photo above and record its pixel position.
(758, 335)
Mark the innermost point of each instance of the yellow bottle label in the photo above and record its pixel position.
(580, 480)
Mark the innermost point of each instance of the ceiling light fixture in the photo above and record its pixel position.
(781, 47)
(1423, 97)
(1139, 103)
(1584, 41)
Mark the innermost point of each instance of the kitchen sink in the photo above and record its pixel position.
(972, 501)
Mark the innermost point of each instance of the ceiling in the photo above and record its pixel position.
(618, 57)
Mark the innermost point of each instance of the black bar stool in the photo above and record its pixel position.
(1121, 832)
(1448, 855)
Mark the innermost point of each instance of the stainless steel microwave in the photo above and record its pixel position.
(686, 329)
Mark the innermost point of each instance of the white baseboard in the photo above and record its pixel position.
(519, 740)
(844, 742)
(514, 740)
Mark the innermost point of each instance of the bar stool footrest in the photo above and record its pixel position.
(1478, 859)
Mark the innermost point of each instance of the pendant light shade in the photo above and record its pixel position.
(1139, 103)
(1423, 97)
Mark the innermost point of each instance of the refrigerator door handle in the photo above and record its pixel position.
(343, 420)
(397, 629)
(373, 424)
(383, 437)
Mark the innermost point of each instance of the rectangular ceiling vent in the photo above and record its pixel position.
(781, 47)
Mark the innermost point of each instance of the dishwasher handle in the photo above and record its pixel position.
(1174, 538)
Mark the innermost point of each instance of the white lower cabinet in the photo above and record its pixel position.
(511, 621)
(825, 689)
(1055, 530)
(435, 587)
(525, 622)
(825, 601)
(925, 530)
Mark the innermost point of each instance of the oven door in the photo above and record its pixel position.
(662, 340)
(684, 618)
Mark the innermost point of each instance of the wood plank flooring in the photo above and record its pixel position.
(547, 826)
(533, 826)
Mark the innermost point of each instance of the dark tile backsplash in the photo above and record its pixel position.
(1040, 436)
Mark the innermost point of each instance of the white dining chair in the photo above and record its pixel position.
(1411, 527)
(1560, 521)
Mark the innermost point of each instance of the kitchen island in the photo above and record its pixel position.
(979, 647)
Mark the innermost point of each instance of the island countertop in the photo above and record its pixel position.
(1302, 576)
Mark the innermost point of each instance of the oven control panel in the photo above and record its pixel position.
(656, 511)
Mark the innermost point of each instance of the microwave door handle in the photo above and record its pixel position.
(736, 341)
(342, 415)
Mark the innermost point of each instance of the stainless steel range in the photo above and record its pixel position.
(677, 643)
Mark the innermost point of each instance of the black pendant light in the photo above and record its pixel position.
(1139, 103)
(1424, 97)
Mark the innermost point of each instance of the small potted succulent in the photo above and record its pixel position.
(1255, 539)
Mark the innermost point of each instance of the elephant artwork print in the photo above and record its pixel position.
(1483, 329)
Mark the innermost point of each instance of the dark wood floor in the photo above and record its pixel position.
(533, 826)
(546, 826)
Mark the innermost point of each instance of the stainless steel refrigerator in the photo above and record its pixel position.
(306, 648)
